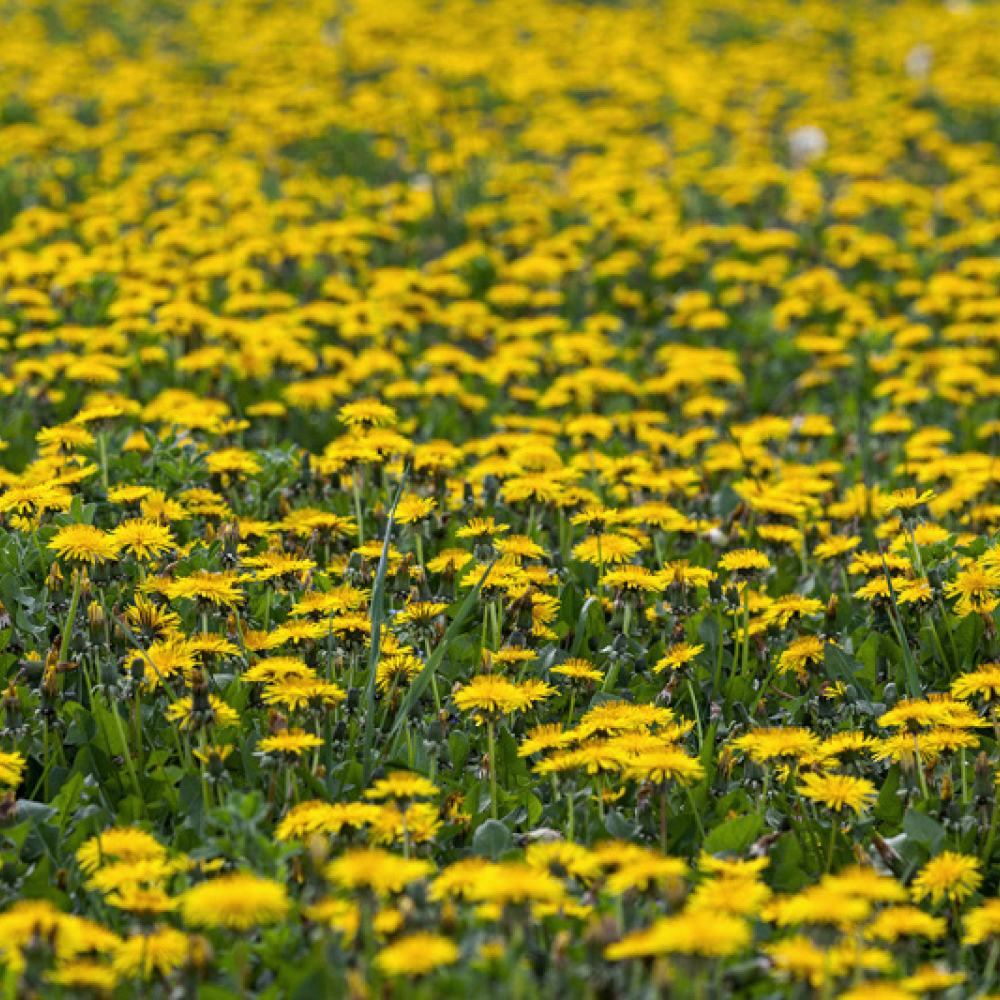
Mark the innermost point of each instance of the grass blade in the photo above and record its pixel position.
(377, 620)
(422, 679)
(912, 678)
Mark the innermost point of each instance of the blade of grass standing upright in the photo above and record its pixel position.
(377, 619)
(912, 677)
(421, 681)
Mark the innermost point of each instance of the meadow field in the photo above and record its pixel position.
(499, 499)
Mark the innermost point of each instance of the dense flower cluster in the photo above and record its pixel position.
(499, 498)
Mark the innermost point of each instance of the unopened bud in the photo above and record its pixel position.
(947, 790)
(831, 609)
(96, 617)
(12, 707)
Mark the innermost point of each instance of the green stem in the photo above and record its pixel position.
(765, 787)
(929, 620)
(357, 509)
(763, 689)
(495, 620)
(921, 777)
(745, 659)
(832, 844)
(406, 836)
(113, 709)
(70, 617)
(571, 814)
(102, 449)
(991, 962)
(912, 678)
(988, 850)
(696, 812)
(206, 791)
(137, 725)
(493, 769)
(697, 714)
(717, 680)
(951, 636)
(663, 817)
(420, 556)
(434, 684)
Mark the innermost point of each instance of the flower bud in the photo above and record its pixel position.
(96, 617)
(13, 714)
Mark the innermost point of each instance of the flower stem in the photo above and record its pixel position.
(697, 714)
(357, 509)
(70, 616)
(493, 769)
(717, 680)
(695, 811)
(921, 777)
(102, 449)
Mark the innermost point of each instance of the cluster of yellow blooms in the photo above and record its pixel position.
(499, 496)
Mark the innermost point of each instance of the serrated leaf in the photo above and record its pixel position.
(735, 835)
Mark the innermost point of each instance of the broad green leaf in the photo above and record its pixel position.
(491, 839)
(735, 835)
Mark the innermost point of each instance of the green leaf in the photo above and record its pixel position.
(491, 839)
(889, 808)
(968, 636)
(841, 667)
(591, 612)
(787, 866)
(618, 826)
(735, 835)
(511, 766)
(709, 632)
(109, 729)
(533, 805)
(923, 830)
(69, 797)
(17, 834)
(458, 747)
(37, 812)
(709, 758)
(868, 655)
